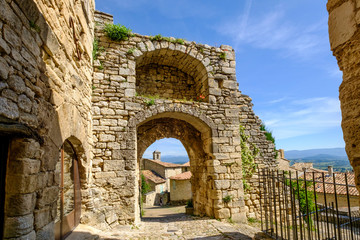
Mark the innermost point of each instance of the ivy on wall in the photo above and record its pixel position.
(248, 156)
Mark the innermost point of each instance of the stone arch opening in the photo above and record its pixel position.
(70, 175)
(171, 74)
(196, 139)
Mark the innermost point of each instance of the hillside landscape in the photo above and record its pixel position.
(322, 158)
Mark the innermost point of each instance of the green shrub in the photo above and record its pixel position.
(180, 41)
(96, 49)
(252, 220)
(159, 37)
(34, 26)
(189, 203)
(117, 32)
(131, 50)
(227, 199)
(223, 56)
(150, 102)
(267, 133)
(145, 187)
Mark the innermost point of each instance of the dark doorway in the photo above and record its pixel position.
(4, 146)
(69, 202)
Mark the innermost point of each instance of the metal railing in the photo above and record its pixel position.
(304, 205)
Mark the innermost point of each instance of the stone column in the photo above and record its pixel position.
(344, 33)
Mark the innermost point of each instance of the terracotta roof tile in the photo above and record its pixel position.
(329, 183)
(153, 176)
(166, 164)
(182, 176)
(187, 164)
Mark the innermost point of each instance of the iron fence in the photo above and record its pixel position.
(304, 205)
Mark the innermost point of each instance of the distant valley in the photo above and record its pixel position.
(175, 159)
(322, 158)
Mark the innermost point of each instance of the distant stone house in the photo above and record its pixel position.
(156, 182)
(180, 187)
(157, 186)
(163, 169)
(168, 177)
(186, 167)
(341, 190)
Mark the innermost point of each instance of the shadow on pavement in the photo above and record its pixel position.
(227, 235)
(82, 236)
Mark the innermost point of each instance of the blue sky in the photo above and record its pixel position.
(284, 62)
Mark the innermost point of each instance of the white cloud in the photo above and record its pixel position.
(274, 31)
(303, 117)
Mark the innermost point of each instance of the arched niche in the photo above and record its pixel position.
(171, 74)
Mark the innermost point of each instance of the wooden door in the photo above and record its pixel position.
(4, 145)
(69, 202)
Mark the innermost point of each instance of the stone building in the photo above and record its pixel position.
(68, 124)
(180, 188)
(344, 34)
(164, 169)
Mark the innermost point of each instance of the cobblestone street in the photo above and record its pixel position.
(170, 223)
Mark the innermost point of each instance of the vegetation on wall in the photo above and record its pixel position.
(96, 49)
(267, 133)
(159, 37)
(227, 199)
(223, 56)
(269, 136)
(117, 32)
(247, 157)
(306, 197)
(145, 187)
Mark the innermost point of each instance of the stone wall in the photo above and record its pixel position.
(165, 82)
(126, 123)
(45, 88)
(344, 34)
(152, 165)
(180, 190)
(264, 159)
(214, 124)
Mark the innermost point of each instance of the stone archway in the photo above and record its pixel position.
(194, 142)
(170, 73)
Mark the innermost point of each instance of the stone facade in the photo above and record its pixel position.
(206, 119)
(45, 98)
(52, 92)
(180, 190)
(344, 34)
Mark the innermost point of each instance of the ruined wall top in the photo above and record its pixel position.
(201, 72)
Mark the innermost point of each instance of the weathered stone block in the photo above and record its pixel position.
(46, 232)
(221, 184)
(4, 68)
(21, 184)
(113, 165)
(105, 175)
(342, 25)
(223, 213)
(47, 196)
(8, 108)
(18, 226)
(20, 204)
(16, 83)
(106, 138)
(42, 217)
(24, 166)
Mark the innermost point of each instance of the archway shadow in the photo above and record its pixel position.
(226, 235)
(83, 236)
(166, 214)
